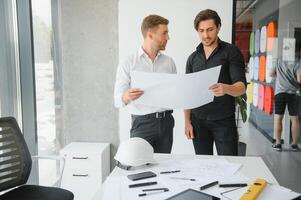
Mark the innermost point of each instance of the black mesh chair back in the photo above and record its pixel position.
(15, 167)
(15, 159)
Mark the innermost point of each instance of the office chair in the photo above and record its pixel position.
(15, 167)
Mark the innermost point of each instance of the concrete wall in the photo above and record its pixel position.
(88, 32)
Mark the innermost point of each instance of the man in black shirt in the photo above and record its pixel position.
(215, 122)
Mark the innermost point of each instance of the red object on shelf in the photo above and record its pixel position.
(268, 100)
(262, 68)
(261, 97)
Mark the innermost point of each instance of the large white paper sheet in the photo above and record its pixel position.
(175, 91)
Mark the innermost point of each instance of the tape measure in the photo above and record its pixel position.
(254, 190)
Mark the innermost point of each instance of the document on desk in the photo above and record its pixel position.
(203, 171)
(207, 169)
(175, 91)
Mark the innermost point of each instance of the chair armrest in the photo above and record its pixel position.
(61, 160)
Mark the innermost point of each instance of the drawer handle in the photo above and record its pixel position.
(80, 158)
(80, 175)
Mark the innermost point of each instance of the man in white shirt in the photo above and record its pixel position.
(150, 123)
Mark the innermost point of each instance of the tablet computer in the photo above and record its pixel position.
(191, 194)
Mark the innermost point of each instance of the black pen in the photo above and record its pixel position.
(152, 190)
(169, 172)
(142, 184)
(234, 185)
(208, 185)
(155, 189)
(183, 178)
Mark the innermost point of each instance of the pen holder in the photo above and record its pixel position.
(254, 190)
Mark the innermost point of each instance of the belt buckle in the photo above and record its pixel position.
(160, 115)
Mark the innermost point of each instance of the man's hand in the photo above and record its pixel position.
(219, 89)
(131, 95)
(189, 130)
(299, 78)
(235, 90)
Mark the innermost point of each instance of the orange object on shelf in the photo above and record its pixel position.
(272, 32)
(268, 100)
(261, 97)
(262, 68)
(272, 29)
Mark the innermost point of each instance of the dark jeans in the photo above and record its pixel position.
(222, 132)
(157, 131)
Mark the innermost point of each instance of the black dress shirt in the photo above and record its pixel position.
(232, 71)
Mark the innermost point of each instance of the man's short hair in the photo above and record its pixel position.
(152, 21)
(205, 15)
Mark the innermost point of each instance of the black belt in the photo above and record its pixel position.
(155, 115)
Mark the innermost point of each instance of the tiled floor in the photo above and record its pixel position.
(285, 165)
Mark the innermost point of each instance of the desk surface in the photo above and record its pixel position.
(252, 168)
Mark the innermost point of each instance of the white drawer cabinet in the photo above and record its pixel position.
(86, 167)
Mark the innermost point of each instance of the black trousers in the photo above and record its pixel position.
(157, 130)
(291, 100)
(222, 132)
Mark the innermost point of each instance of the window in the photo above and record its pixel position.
(268, 34)
(45, 79)
(10, 92)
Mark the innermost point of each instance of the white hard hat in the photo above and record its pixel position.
(134, 152)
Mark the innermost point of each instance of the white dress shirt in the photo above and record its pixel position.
(140, 61)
